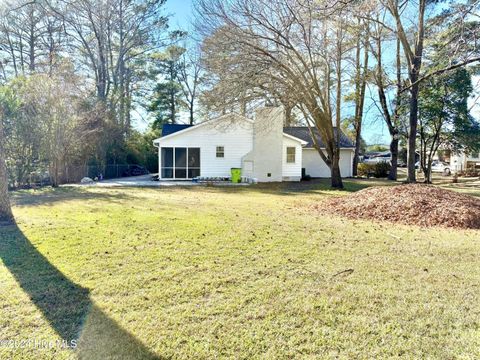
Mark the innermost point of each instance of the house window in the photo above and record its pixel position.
(220, 152)
(290, 154)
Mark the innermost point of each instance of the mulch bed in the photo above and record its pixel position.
(413, 204)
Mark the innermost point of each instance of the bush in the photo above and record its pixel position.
(472, 173)
(364, 169)
(379, 170)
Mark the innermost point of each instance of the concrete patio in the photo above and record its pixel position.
(145, 181)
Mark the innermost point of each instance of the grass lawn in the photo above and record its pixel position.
(248, 272)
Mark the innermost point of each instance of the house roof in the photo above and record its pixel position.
(300, 133)
(303, 133)
(168, 129)
(173, 129)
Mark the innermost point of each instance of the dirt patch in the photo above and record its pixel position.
(413, 204)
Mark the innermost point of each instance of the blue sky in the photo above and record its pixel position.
(181, 11)
(374, 129)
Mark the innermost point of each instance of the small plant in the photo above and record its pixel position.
(365, 169)
(378, 170)
(381, 170)
(472, 172)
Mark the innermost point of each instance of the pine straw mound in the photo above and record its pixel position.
(412, 204)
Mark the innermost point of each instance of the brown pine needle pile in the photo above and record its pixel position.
(414, 204)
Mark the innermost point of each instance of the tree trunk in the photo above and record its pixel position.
(336, 177)
(288, 115)
(427, 171)
(6, 215)
(335, 169)
(358, 139)
(191, 113)
(394, 156)
(121, 70)
(31, 42)
(54, 174)
(414, 55)
(360, 86)
(127, 102)
(412, 133)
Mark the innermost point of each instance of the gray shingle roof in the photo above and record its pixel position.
(303, 133)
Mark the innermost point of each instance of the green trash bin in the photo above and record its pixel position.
(236, 175)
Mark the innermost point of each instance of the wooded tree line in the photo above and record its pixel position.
(70, 70)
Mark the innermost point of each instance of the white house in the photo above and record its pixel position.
(264, 149)
(460, 161)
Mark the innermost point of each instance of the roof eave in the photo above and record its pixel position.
(341, 148)
(157, 141)
(301, 141)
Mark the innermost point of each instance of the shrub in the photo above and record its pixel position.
(381, 170)
(378, 170)
(364, 169)
(472, 173)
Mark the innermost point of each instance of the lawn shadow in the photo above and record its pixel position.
(49, 196)
(66, 306)
(314, 186)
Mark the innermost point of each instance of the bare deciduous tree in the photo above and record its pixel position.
(461, 50)
(413, 50)
(390, 110)
(190, 78)
(299, 47)
(361, 75)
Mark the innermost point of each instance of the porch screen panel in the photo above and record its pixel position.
(193, 162)
(167, 163)
(181, 163)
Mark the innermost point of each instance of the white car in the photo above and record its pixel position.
(441, 167)
(378, 159)
(437, 167)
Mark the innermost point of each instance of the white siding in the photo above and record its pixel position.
(292, 171)
(236, 137)
(267, 144)
(316, 167)
(458, 162)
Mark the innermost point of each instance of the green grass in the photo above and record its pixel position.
(207, 272)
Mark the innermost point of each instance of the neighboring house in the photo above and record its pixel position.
(461, 161)
(263, 149)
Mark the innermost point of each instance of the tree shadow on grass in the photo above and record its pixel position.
(313, 187)
(51, 196)
(65, 305)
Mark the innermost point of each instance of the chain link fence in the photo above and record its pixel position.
(40, 176)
